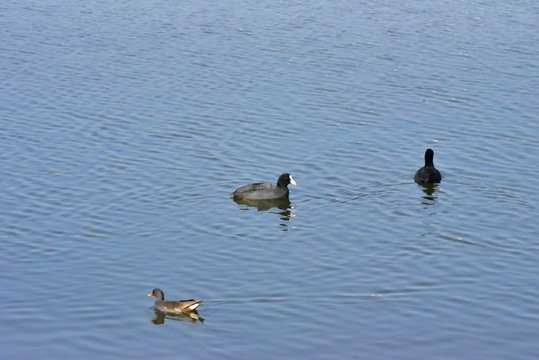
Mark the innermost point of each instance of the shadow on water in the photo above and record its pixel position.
(430, 196)
(285, 207)
(189, 317)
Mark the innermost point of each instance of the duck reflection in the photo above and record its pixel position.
(284, 205)
(189, 317)
(430, 196)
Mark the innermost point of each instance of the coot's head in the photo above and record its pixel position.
(285, 179)
(429, 157)
(158, 293)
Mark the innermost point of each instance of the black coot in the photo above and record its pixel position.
(428, 174)
(265, 191)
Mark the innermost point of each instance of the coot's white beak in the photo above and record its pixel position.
(292, 180)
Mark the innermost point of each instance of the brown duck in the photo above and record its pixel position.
(172, 307)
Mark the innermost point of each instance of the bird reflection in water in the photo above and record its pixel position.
(189, 317)
(284, 205)
(430, 196)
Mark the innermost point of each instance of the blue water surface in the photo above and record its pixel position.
(125, 126)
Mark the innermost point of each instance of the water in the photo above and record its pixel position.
(124, 127)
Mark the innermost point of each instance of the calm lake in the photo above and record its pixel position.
(125, 126)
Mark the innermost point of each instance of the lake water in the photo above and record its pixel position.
(125, 125)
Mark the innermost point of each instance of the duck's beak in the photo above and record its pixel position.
(150, 294)
(292, 180)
